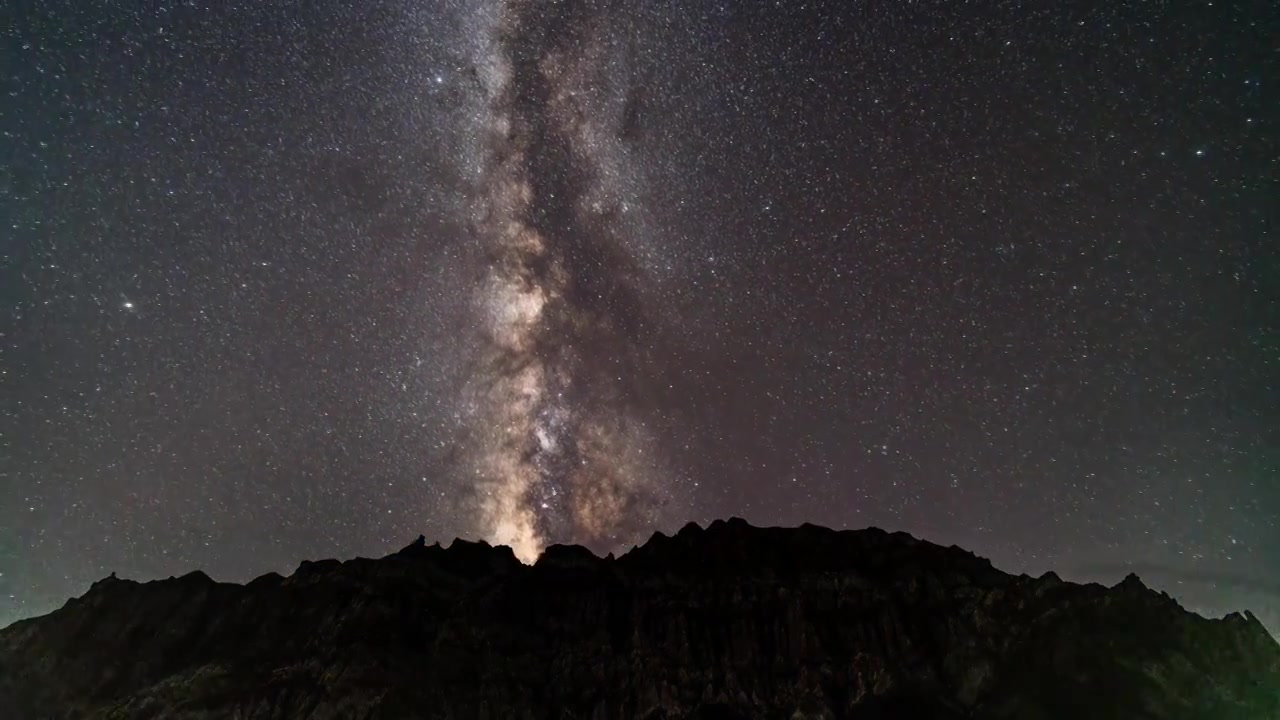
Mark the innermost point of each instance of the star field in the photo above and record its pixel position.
(297, 282)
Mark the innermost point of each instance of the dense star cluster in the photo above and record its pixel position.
(560, 452)
(290, 281)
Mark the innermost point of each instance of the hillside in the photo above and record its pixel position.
(730, 621)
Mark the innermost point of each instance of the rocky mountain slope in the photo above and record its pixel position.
(730, 621)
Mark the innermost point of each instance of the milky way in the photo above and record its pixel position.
(560, 449)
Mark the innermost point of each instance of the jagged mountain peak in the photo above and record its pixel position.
(726, 620)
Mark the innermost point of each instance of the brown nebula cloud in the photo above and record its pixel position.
(559, 446)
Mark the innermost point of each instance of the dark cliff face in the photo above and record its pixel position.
(727, 622)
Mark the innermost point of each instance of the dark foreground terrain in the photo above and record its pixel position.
(725, 622)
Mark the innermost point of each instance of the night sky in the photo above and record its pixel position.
(300, 280)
